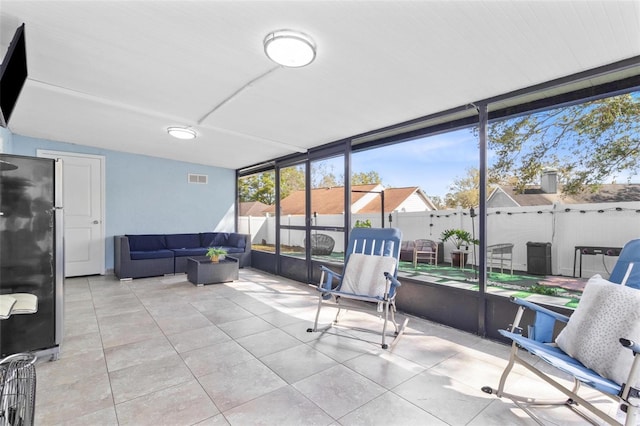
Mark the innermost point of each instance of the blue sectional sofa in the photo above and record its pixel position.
(138, 256)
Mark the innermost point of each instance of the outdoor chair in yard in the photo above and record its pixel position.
(598, 346)
(500, 254)
(368, 280)
(425, 251)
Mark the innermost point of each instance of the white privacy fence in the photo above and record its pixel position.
(564, 226)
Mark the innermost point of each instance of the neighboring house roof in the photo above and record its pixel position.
(364, 199)
(410, 198)
(505, 196)
(252, 208)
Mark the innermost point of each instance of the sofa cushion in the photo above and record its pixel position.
(194, 251)
(236, 240)
(151, 254)
(213, 239)
(146, 242)
(180, 241)
(233, 249)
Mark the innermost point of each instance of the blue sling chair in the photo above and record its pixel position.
(598, 346)
(370, 275)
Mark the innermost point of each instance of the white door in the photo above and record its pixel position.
(83, 204)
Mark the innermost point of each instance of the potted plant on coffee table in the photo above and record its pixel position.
(458, 237)
(215, 252)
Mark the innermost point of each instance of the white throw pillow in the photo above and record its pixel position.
(606, 312)
(364, 274)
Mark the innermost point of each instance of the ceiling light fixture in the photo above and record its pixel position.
(182, 132)
(290, 48)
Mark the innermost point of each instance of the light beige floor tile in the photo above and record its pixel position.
(280, 319)
(299, 331)
(179, 320)
(267, 342)
(136, 318)
(70, 369)
(457, 367)
(251, 380)
(447, 399)
(425, 350)
(197, 338)
(128, 328)
(389, 409)
(80, 344)
(384, 368)
(341, 346)
(210, 305)
(183, 404)
(118, 305)
(217, 420)
(433, 374)
(339, 390)
(245, 327)
(81, 325)
(104, 417)
(298, 362)
(285, 406)
(216, 357)
(228, 314)
(500, 413)
(73, 400)
(119, 357)
(152, 376)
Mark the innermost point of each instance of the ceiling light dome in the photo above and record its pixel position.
(182, 132)
(290, 48)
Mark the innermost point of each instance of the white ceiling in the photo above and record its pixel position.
(115, 75)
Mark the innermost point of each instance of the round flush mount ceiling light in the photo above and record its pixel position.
(182, 132)
(290, 48)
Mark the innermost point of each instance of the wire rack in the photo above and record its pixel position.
(17, 390)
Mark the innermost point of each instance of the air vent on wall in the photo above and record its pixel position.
(202, 179)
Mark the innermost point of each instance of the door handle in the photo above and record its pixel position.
(95, 222)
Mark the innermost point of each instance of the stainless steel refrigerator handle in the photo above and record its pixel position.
(59, 242)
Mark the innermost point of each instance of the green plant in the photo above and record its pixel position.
(540, 289)
(458, 237)
(215, 251)
(363, 224)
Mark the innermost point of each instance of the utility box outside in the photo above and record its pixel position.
(538, 258)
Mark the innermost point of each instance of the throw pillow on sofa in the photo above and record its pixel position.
(146, 242)
(236, 240)
(213, 239)
(179, 241)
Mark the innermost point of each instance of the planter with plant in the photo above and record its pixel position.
(363, 224)
(215, 252)
(458, 237)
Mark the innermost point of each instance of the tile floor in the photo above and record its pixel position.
(162, 351)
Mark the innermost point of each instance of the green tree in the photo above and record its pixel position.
(437, 201)
(464, 190)
(258, 187)
(587, 143)
(366, 178)
(323, 176)
(291, 179)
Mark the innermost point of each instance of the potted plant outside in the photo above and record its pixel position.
(215, 252)
(458, 237)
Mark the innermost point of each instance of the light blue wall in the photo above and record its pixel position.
(148, 195)
(7, 140)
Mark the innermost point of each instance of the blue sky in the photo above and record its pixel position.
(431, 163)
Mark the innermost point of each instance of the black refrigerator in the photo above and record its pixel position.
(31, 252)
